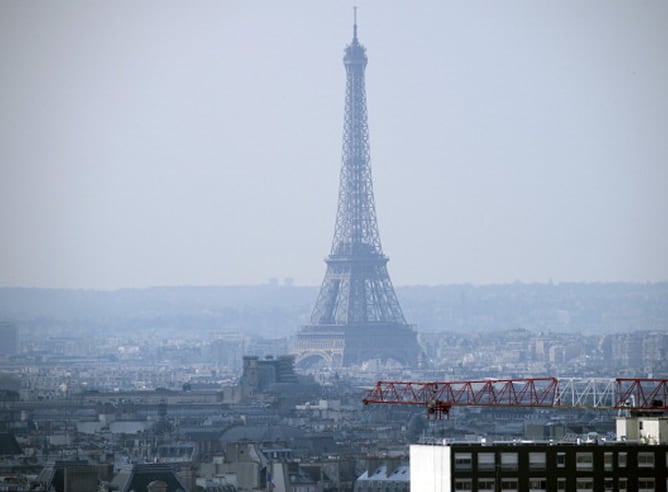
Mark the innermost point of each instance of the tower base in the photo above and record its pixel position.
(350, 345)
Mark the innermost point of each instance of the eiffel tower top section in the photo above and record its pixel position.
(356, 229)
(355, 53)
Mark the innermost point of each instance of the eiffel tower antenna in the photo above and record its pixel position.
(357, 316)
(354, 23)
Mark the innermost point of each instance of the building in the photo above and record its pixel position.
(259, 374)
(357, 316)
(384, 474)
(539, 467)
(273, 380)
(8, 338)
(73, 476)
(646, 427)
(589, 465)
(150, 477)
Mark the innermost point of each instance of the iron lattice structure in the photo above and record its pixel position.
(549, 392)
(357, 315)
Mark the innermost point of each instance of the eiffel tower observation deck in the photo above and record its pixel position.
(357, 316)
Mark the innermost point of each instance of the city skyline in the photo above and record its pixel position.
(155, 144)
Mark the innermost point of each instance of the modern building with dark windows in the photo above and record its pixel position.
(590, 465)
(539, 467)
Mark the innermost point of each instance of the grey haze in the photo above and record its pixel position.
(170, 143)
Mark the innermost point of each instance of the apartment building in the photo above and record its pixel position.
(594, 466)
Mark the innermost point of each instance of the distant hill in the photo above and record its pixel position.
(591, 308)
(263, 310)
(277, 310)
(26, 303)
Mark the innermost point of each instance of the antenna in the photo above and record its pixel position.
(354, 22)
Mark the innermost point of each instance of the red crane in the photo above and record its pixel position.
(439, 397)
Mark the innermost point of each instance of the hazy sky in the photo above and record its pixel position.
(198, 143)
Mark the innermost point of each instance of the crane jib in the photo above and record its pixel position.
(547, 392)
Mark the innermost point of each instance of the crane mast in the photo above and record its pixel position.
(548, 392)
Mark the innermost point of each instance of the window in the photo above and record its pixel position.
(646, 459)
(561, 460)
(584, 484)
(646, 484)
(608, 484)
(621, 459)
(509, 484)
(486, 461)
(462, 461)
(607, 460)
(537, 461)
(537, 484)
(463, 484)
(561, 483)
(584, 461)
(486, 485)
(509, 461)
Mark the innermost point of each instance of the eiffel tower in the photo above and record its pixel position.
(357, 316)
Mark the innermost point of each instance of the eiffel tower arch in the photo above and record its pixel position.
(357, 316)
